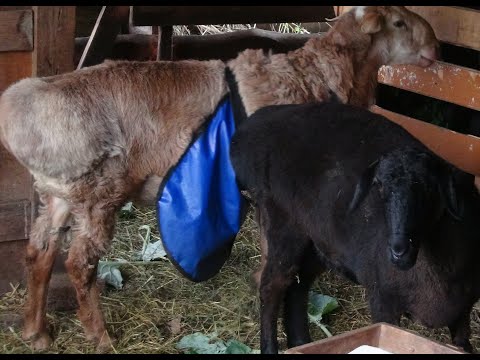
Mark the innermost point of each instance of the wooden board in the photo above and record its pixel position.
(14, 66)
(459, 149)
(12, 264)
(443, 81)
(10, 8)
(15, 220)
(206, 15)
(54, 35)
(15, 181)
(16, 30)
(224, 46)
(453, 24)
(382, 335)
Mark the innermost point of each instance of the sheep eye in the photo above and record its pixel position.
(379, 184)
(399, 24)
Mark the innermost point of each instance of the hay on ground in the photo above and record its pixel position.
(158, 306)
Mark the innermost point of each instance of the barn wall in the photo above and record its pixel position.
(51, 31)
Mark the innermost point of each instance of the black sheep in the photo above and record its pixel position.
(339, 187)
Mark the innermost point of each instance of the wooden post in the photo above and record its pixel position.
(164, 48)
(106, 29)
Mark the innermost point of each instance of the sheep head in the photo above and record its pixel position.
(399, 35)
(417, 188)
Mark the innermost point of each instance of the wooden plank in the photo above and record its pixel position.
(227, 45)
(223, 46)
(453, 24)
(459, 149)
(14, 66)
(54, 40)
(14, 220)
(206, 15)
(15, 180)
(441, 81)
(103, 35)
(16, 30)
(12, 264)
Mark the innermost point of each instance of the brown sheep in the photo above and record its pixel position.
(96, 137)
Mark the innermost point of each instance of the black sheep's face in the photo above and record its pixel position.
(405, 213)
(416, 188)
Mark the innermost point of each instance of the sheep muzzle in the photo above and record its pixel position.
(403, 253)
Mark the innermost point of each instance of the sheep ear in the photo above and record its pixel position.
(371, 22)
(454, 203)
(363, 186)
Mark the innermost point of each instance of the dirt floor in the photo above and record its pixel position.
(157, 306)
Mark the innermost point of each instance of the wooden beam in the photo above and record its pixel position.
(164, 47)
(16, 30)
(54, 34)
(226, 46)
(459, 149)
(206, 15)
(103, 35)
(452, 24)
(222, 46)
(441, 81)
(10, 8)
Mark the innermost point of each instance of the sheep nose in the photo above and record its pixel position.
(398, 253)
(431, 53)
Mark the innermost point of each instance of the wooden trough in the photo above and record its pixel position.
(381, 335)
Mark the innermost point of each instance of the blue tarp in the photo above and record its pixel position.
(200, 208)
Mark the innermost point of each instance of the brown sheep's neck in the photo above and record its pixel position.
(357, 60)
(343, 62)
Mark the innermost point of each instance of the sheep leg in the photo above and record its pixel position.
(381, 309)
(460, 332)
(274, 283)
(296, 301)
(41, 250)
(282, 264)
(93, 237)
(263, 247)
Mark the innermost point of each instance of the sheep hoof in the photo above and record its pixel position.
(105, 344)
(41, 341)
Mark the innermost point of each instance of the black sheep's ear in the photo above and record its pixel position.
(448, 189)
(363, 186)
